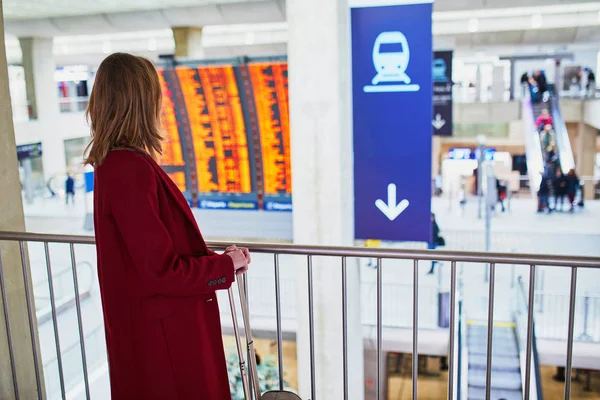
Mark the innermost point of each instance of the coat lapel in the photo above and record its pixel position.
(179, 198)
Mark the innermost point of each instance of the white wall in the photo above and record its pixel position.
(52, 132)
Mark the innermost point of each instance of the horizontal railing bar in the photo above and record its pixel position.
(547, 293)
(359, 252)
(43, 237)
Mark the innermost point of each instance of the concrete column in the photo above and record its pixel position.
(498, 83)
(39, 66)
(586, 157)
(188, 42)
(322, 165)
(42, 94)
(12, 219)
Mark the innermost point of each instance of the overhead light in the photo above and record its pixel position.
(106, 47)
(473, 25)
(536, 21)
(250, 38)
(152, 44)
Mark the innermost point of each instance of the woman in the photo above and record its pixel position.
(157, 277)
(571, 188)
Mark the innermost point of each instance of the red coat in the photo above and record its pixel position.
(157, 281)
(543, 120)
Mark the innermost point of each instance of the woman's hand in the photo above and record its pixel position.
(240, 264)
(244, 250)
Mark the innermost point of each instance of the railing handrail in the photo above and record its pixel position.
(350, 252)
(550, 293)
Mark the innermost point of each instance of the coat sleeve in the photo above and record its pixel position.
(134, 206)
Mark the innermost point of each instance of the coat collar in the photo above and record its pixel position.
(176, 195)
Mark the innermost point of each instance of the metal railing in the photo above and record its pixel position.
(526, 320)
(550, 307)
(343, 254)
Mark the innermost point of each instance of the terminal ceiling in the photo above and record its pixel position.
(35, 9)
(500, 24)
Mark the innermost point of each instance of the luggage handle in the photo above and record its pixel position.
(251, 366)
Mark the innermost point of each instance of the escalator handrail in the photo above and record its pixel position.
(534, 349)
(563, 142)
(535, 162)
(459, 349)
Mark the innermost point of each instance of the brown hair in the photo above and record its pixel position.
(124, 108)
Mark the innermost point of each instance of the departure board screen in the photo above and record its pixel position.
(270, 88)
(171, 145)
(217, 126)
(179, 179)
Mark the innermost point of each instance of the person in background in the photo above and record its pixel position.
(547, 137)
(534, 90)
(540, 79)
(70, 189)
(52, 193)
(572, 183)
(591, 84)
(501, 189)
(543, 120)
(544, 194)
(524, 83)
(436, 240)
(559, 184)
(542, 85)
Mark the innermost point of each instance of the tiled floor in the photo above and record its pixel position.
(554, 390)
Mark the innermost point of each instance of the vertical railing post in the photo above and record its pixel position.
(490, 335)
(31, 317)
(247, 301)
(55, 321)
(415, 359)
(379, 330)
(11, 353)
(569, 368)
(240, 348)
(278, 315)
(311, 325)
(79, 321)
(529, 331)
(345, 326)
(451, 348)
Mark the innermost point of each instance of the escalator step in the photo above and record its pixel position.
(476, 393)
(498, 362)
(509, 380)
(507, 349)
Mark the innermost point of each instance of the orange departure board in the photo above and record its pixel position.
(179, 179)
(171, 145)
(270, 87)
(216, 121)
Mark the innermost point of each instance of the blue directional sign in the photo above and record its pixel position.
(392, 114)
(442, 93)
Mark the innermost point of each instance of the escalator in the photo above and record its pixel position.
(506, 372)
(537, 156)
(563, 142)
(533, 147)
(537, 111)
(509, 354)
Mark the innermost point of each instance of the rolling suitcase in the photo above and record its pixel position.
(252, 370)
